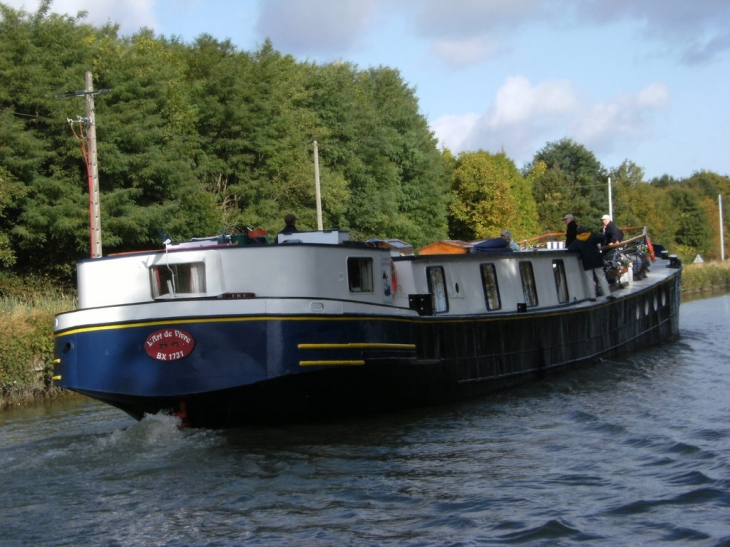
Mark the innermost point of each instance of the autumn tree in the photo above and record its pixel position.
(485, 190)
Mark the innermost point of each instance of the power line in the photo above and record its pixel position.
(34, 116)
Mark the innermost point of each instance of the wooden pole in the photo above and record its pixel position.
(94, 204)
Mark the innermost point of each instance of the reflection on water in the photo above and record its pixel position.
(633, 451)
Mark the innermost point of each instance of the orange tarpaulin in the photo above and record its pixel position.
(451, 247)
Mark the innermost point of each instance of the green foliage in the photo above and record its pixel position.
(693, 231)
(487, 190)
(26, 340)
(706, 276)
(571, 181)
(709, 184)
(555, 195)
(197, 137)
(10, 192)
(27, 309)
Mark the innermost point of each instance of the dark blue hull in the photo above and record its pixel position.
(287, 368)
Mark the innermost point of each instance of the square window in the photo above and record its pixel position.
(360, 274)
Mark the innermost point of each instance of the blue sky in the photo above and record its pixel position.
(641, 80)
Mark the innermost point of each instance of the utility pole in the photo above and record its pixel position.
(92, 166)
(94, 205)
(722, 230)
(610, 199)
(317, 191)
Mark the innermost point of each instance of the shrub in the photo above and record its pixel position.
(706, 276)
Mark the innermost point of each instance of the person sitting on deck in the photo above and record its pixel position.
(494, 245)
(586, 244)
(291, 225)
(507, 235)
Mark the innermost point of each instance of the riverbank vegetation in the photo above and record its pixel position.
(27, 308)
(705, 277)
(195, 138)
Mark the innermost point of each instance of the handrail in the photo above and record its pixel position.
(643, 234)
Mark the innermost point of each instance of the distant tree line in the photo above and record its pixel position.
(201, 137)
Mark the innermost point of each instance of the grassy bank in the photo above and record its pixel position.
(708, 276)
(27, 308)
(26, 329)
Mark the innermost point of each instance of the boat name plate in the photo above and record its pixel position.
(169, 344)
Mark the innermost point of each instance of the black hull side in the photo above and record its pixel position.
(457, 358)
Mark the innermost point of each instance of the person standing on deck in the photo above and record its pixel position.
(610, 231)
(571, 227)
(586, 244)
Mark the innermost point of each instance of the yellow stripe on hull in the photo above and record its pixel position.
(326, 363)
(362, 345)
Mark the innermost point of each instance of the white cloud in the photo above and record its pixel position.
(623, 118)
(698, 30)
(518, 102)
(524, 116)
(458, 53)
(452, 131)
(131, 15)
(470, 18)
(323, 26)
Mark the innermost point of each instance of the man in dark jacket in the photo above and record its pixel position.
(610, 231)
(586, 244)
(570, 230)
(290, 227)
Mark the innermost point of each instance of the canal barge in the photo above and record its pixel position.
(229, 331)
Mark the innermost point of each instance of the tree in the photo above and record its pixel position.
(709, 186)
(575, 177)
(555, 194)
(645, 204)
(10, 192)
(693, 227)
(483, 202)
(623, 179)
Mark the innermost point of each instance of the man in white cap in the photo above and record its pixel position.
(611, 233)
(571, 229)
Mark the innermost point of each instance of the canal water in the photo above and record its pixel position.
(632, 451)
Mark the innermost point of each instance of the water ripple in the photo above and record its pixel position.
(632, 451)
(550, 530)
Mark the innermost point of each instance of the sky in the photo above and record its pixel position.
(646, 81)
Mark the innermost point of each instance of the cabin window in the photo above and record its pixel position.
(529, 290)
(437, 288)
(491, 288)
(172, 279)
(360, 274)
(561, 282)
